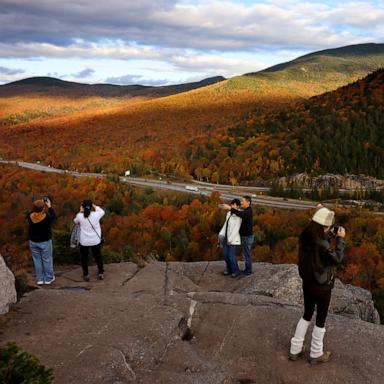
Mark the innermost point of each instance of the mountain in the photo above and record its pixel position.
(213, 128)
(323, 70)
(58, 87)
(349, 60)
(339, 132)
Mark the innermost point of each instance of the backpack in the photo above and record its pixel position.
(75, 236)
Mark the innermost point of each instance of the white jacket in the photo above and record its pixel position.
(234, 223)
(88, 235)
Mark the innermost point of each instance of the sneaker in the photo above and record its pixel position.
(324, 358)
(226, 273)
(247, 273)
(50, 281)
(235, 275)
(40, 282)
(101, 276)
(86, 277)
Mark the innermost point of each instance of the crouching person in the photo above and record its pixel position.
(317, 261)
(40, 240)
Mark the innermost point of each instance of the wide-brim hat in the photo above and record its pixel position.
(324, 217)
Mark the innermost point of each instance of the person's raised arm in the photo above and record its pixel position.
(51, 214)
(336, 256)
(100, 212)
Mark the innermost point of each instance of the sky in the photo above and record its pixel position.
(172, 41)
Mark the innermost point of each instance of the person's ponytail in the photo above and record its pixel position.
(87, 206)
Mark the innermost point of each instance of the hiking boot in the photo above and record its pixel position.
(86, 278)
(324, 358)
(296, 356)
(101, 276)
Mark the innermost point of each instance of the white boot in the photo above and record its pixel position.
(298, 339)
(317, 355)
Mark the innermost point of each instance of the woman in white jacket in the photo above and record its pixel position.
(90, 236)
(229, 238)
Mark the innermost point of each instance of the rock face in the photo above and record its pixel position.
(186, 323)
(353, 182)
(7, 287)
(283, 282)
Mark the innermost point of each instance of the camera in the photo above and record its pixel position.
(333, 232)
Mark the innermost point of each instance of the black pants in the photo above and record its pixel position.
(319, 296)
(96, 252)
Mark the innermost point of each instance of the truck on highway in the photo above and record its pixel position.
(191, 188)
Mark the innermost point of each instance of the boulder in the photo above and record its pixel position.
(282, 281)
(7, 287)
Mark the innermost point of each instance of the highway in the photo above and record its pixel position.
(227, 192)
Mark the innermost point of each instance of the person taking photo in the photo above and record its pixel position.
(90, 236)
(317, 263)
(40, 240)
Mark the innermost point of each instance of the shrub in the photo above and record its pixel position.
(17, 367)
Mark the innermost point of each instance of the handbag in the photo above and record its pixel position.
(102, 238)
(74, 241)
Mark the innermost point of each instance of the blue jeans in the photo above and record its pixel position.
(230, 257)
(42, 259)
(246, 244)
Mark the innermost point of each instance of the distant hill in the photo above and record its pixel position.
(344, 60)
(53, 86)
(323, 70)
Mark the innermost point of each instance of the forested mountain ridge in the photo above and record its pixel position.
(314, 73)
(331, 65)
(230, 132)
(57, 87)
(338, 132)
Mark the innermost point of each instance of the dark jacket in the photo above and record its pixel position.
(40, 231)
(317, 262)
(246, 228)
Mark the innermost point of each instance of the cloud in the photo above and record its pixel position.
(206, 37)
(136, 79)
(10, 71)
(87, 72)
(78, 49)
(215, 64)
(127, 29)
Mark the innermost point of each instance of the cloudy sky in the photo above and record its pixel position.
(171, 41)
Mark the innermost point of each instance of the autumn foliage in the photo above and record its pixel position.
(142, 223)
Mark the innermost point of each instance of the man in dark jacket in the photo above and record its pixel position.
(246, 230)
(40, 240)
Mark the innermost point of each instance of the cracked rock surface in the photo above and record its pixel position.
(7, 287)
(186, 323)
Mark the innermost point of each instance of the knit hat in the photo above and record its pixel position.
(324, 217)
